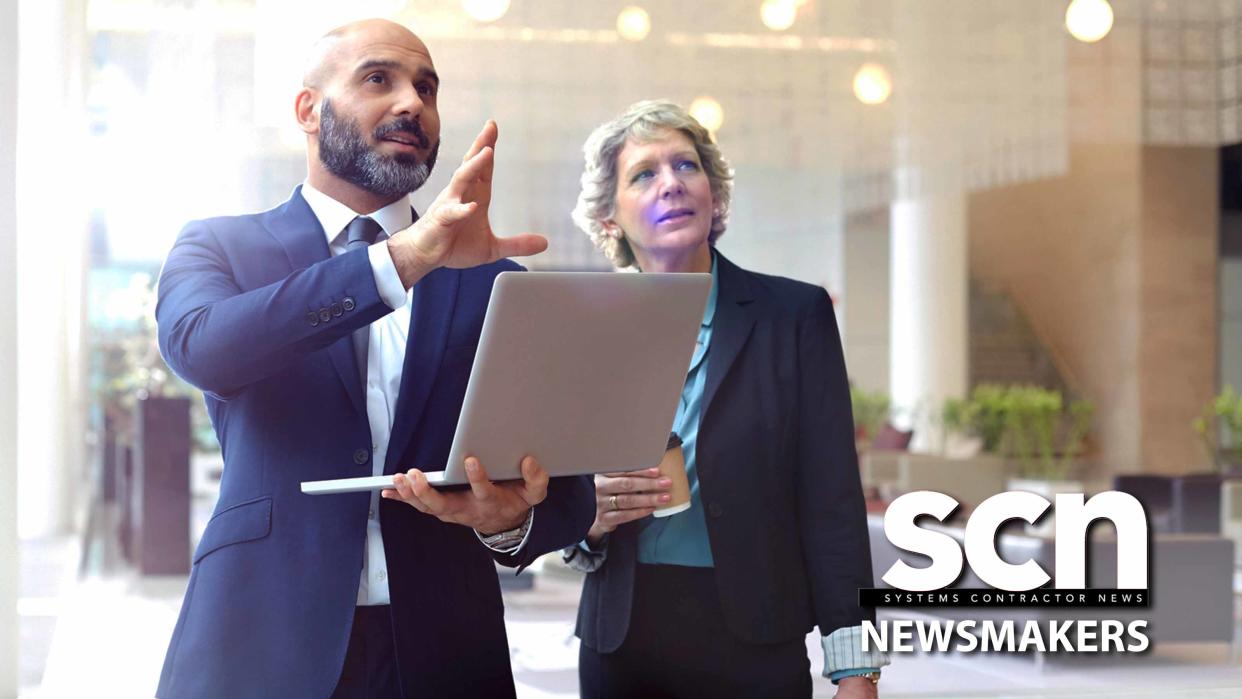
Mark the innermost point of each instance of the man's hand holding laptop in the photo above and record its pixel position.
(487, 507)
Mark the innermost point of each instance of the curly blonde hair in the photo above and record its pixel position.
(643, 121)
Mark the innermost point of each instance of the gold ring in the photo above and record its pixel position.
(612, 501)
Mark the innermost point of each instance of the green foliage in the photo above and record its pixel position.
(1220, 428)
(870, 411)
(1029, 424)
(990, 408)
(958, 415)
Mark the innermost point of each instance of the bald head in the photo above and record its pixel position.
(368, 107)
(336, 48)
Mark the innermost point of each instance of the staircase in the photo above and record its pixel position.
(1004, 347)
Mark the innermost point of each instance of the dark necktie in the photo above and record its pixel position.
(362, 232)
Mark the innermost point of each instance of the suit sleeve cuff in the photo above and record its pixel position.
(387, 281)
(843, 652)
(505, 545)
(585, 559)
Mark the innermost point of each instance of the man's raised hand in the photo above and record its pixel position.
(455, 230)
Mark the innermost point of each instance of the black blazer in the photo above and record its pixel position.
(777, 470)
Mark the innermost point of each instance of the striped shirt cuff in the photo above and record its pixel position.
(842, 674)
(843, 651)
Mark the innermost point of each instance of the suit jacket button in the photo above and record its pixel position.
(715, 510)
(348, 303)
(313, 318)
(325, 315)
(337, 310)
(360, 456)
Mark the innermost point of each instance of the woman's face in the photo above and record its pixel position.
(664, 200)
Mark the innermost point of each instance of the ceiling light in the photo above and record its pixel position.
(485, 10)
(872, 84)
(778, 15)
(633, 23)
(708, 112)
(1089, 20)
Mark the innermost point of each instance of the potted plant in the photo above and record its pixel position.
(1220, 429)
(958, 419)
(990, 405)
(1196, 498)
(1032, 428)
(1045, 435)
(870, 413)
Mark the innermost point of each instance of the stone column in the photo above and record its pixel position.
(929, 279)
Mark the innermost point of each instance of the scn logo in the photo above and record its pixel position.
(1073, 517)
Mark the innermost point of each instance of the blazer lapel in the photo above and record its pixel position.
(430, 316)
(294, 225)
(734, 321)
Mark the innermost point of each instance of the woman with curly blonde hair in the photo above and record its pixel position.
(717, 600)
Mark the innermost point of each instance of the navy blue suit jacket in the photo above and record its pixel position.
(254, 311)
(777, 471)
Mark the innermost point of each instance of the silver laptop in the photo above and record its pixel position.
(582, 370)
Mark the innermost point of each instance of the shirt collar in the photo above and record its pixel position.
(335, 216)
(709, 313)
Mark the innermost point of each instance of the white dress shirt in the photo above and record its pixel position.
(385, 358)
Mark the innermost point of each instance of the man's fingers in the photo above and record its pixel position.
(404, 492)
(403, 486)
(477, 476)
(448, 214)
(535, 481)
(424, 492)
(469, 172)
(487, 137)
(520, 245)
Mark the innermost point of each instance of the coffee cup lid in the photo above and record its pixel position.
(673, 441)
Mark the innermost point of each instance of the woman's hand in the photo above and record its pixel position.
(625, 497)
(857, 688)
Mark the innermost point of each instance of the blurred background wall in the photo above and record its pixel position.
(1072, 182)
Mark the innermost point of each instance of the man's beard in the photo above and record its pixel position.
(346, 155)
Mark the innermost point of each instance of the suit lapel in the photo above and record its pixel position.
(297, 229)
(733, 323)
(431, 314)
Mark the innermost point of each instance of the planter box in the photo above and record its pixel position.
(1155, 492)
(1196, 503)
(160, 491)
(969, 481)
(125, 499)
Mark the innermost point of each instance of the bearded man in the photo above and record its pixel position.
(333, 337)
